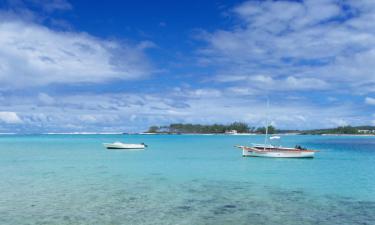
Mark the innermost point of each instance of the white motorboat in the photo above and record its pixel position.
(120, 145)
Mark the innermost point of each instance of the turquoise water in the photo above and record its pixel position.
(184, 179)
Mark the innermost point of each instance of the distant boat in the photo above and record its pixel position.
(231, 132)
(120, 145)
(268, 150)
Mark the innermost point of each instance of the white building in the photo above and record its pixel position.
(231, 132)
(366, 131)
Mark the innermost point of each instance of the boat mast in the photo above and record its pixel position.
(266, 136)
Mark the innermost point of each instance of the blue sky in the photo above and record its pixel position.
(74, 66)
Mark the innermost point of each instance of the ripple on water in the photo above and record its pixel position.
(196, 202)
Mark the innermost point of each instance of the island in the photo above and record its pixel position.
(188, 128)
(244, 128)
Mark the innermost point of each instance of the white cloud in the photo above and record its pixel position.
(370, 101)
(52, 5)
(9, 117)
(135, 112)
(305, 83)
(46, 99)
(32, 54)
(206, 93)
(264, 82)
(98, 118)
(242, 91)
(286, 46)
(27, 10)
(307, 44)
(339, 122)
(88, 118)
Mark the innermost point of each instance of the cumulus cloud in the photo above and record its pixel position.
(136, 112)
(198, 92)
(49, 5)
(370, 101)
(263, 82)
(32, 55)
(9, 117)
(52, 5)
(26, 10)
(287, 48)
(339, 122)
(297, 42)
(46, 99)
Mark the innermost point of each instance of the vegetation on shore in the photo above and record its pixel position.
(337, 130)
(342, 130)
(241, 127)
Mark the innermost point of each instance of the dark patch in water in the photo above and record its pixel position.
(48, 173)
(66, 218)
(195, 181)
(192, 190)
(230, 206)
(191, 200)
(185, 208)
(69, 167)
(102, 167)
(224, 209)
(240, 188)
(155, 174)
(220, 211)
(162, 179)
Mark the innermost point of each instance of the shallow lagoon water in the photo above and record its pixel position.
(184, 179)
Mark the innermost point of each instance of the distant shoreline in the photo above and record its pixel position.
(252, 134)
(203, 134)
(181, 133)
(241, 128)
(365, 135)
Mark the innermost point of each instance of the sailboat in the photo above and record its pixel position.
(275, 151)
(272, 151)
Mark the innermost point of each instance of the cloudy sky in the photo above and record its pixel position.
(69, 66)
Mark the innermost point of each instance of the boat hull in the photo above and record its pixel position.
(278, 154)
(123, 146)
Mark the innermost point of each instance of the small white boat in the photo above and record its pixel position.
(120, 145)
(276, 152)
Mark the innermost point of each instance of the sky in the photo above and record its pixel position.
(122, 66)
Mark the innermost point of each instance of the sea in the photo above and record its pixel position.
(184, 179)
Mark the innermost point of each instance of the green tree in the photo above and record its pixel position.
(153, 129)
(262, 130)
(239, 127)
